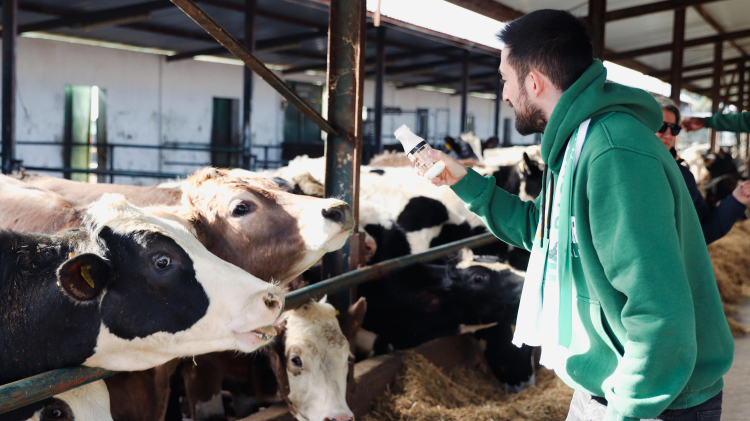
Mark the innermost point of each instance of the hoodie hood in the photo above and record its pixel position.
(591, 95)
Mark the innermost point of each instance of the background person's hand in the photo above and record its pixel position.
(454, 170)
(742, 193)
(693, 123)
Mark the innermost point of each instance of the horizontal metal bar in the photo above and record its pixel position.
(368, 273)
(124, 173)
(241, 52)
(135, 145)
(42, 386)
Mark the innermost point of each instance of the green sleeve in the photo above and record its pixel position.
(632, 208)
(505, 215)
(737, 123)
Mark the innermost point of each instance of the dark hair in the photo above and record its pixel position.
(669, 105)
(554, 42)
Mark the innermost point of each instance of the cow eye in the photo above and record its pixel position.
(478, 279)
(54, 413)
(297, 362)
(162, 262)
(243, 208)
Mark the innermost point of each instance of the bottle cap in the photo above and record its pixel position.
(408, 139)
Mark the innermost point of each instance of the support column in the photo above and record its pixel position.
(678, 48)
(716, 87)
(10, 32)
(379, 86)
(464, 88)
(597, 20)
(498, 100)
(343, 152)
(743, 81)
(247, 85)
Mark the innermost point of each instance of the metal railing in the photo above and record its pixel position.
(255, 163)
(24, 392)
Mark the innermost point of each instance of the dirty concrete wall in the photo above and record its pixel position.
(151, 101)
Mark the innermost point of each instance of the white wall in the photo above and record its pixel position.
(152, 101)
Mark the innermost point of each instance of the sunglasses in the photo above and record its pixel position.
(674, 128)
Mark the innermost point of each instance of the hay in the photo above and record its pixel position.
(422, 392)
(731, 262)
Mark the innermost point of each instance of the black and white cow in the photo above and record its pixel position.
(129, 291)
(86, 403)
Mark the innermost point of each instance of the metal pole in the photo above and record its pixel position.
(247, 85)
(716, 87)
(10, 29)
(464, 88)
(230, 43)
(678, 40)
(498, 100)
(343, 151)
(379, 86)
(597, 20)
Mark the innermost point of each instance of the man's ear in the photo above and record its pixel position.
(535, 84)
(84, 276)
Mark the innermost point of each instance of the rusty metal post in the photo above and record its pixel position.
(10, 33)
(597, 21)
(343, 151)
(716, 87)
(678, 50)
(247, 85)
(464, 88)
(379, 87)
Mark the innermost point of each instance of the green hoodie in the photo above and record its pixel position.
(649, 332)
(738, 123)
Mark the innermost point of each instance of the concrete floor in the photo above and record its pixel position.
(736, 405)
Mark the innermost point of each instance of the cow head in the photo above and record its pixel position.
(530, 173)
(159, 292)
(86, 403)
(262, 228)
(483, 285)
(313, 361)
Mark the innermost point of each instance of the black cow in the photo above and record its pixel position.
(724, 177)
(129, 291)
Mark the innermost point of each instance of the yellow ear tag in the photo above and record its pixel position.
(337, 312)
(87, 276)
(523, 166)
(71, 255)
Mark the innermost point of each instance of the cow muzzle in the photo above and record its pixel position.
(342, 417)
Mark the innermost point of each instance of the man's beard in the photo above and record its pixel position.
(529, 118)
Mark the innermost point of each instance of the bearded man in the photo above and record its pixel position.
(620, 292)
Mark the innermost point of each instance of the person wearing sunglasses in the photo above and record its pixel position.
(717, 223)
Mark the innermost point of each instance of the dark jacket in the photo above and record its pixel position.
(715, 224)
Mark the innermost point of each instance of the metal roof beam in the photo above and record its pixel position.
(90, 19)
(489, 8)
(390, 59)
(647, 9)
(720, 29)
(262, 46)
(262, 13)
(688, 43)
(404, 70)
(450, 81)
(702, 66)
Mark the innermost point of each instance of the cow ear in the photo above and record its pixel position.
(527, 163)
(84, 276)
(352, 319)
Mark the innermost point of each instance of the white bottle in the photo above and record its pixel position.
(416, 150)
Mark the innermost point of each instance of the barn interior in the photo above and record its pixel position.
(138, 92)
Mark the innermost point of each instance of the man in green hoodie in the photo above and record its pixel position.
(620, 292)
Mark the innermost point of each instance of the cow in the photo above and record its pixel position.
(250, 222)
(89, 402)
(128, 291)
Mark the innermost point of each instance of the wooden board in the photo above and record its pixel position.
(373, 375)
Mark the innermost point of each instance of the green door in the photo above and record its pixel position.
(225, 132)
(297, 127)
(77, 130)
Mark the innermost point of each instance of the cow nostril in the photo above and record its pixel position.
(334, 215)
(271, 301)
(339, 419)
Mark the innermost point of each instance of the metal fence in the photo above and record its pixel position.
(24, 392)
(254, 163)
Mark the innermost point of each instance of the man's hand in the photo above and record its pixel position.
(454, 170)
(742, 193)
(693, 123)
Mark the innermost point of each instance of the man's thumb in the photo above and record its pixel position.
(454, 167)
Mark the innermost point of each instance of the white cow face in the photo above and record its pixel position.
(167, 296)
(317, 360)
(86, 403)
